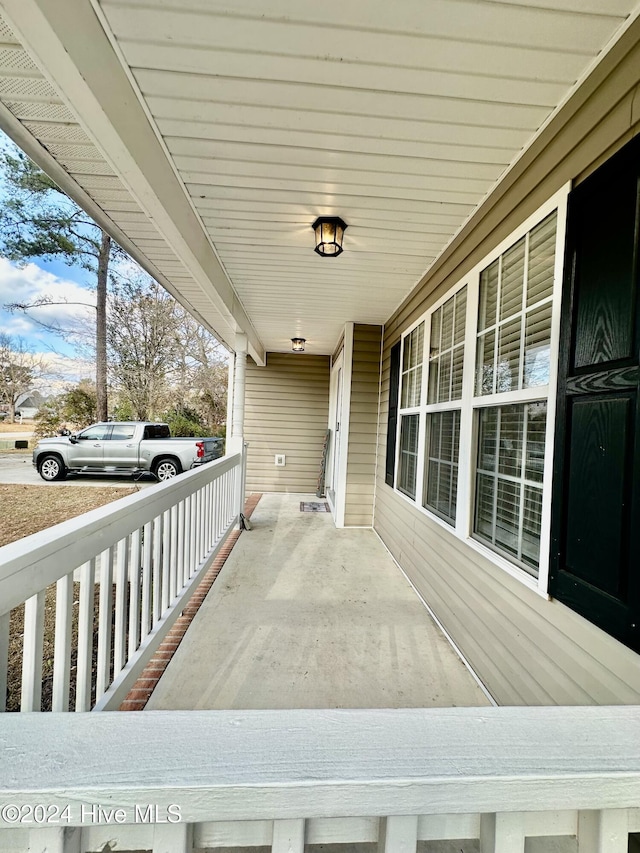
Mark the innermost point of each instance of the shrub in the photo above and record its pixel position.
(185, 422)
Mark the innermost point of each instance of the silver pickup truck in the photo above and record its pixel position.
(131, 447)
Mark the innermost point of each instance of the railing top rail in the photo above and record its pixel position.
(26, 566)
(251, 765)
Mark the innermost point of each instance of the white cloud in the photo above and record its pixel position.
(62, 371)
(30, 283)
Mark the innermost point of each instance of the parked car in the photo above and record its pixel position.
(131, 447)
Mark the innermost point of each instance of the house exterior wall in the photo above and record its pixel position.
(363, 425)
(286, 412)
(526, 649)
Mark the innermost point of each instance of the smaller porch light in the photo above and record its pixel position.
(329, 233)
(297, 344)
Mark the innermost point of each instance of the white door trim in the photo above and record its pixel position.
(342, 439)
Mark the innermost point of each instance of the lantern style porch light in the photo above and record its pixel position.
(297, 344)
(329, 233)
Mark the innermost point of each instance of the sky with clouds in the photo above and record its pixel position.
(54, 282)
(62, 286)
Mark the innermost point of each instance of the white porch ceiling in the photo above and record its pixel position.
(260, 115)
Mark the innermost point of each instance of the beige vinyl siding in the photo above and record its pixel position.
(363, 425)
(286, 411)
(527, 650)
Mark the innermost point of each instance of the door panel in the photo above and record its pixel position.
(604, 229)
(596, 490)
(89, 450)
(595, 556)
(121, 451)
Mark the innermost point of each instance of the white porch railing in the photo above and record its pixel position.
(490, 779)
(124, 570)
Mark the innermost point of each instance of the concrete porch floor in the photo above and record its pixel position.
(307, 616)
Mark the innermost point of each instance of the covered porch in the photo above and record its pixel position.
(206, 138)
(299, 674)
(304, 615)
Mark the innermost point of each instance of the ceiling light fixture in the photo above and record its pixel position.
(297, 344)
(329, 233)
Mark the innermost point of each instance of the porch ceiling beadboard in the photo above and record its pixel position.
(269, 114)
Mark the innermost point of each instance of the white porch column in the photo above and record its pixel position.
(235, 440)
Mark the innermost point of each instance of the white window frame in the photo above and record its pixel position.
(445, 405)
(412, 410)
(469, 403)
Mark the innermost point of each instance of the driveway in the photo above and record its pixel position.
(17, 468)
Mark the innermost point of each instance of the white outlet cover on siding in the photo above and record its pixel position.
(281, 460)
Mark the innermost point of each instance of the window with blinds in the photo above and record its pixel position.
(514, 314)
(412, 348)
(408, 458)
(410, 398)
(446, 349)
(444, 385)
(511, 450)
(441, 475)
(474, 448)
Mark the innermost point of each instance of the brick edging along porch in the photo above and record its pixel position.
(141, 691)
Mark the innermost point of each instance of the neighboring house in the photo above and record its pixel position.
(474, 352)
(28, 404)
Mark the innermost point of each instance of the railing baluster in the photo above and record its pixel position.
(231, 497)
(207, 519)
(62, 647)
(181, 541)
(605, 831)
(188, 507)
(200, 497)
(166, 560)
(195, 520)
(288, 836)
(173, 558)
(232, 502)
(200, 531)
(85, 635)
(55, 839)
(122, 584)
(398, 834)
(502, 833)
(32, 652)
(214, 532)
(105, 613)
(157, 567)
(173, 838)
(135, 580)
(4, 659)
(217, 509)
(147, 563)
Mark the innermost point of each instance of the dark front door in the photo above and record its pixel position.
(595, 557)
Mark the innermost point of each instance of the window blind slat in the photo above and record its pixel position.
(512, 283)
(542, 242)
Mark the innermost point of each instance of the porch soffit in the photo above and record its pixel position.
(208, 135)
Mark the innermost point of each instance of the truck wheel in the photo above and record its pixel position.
(166, 469)
(51, 468)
